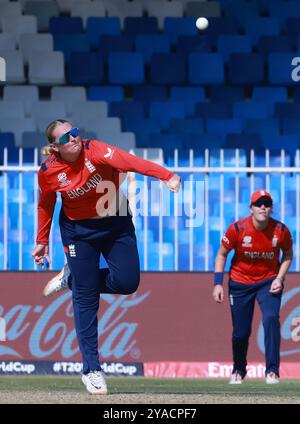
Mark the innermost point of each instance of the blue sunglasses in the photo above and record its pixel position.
(64, 139)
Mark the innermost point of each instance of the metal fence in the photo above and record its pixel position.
(218, 172)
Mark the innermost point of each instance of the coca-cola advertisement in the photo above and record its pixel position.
(171, 326)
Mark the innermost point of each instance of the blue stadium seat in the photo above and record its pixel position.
(126, 68)
(241, 10)
(275, 159)
(245, 69)
(218, 26)
(286, 110)
(164, 111)
(149, 93)
(28, 155)
(261, 26)
(168, 142)
(270, 94)
(282, 10)
(206, 68)
(228, 44)
(168, 68)
(7, 139)
(175, 27)
(147, 44)
(280, 44)
(65, 25)
(217, 110)
(296, 94)
(187, 44)
(231, 94)
(262, 126)
(186, 126)
(287, 142)
(244, 141)
(143, 129)
(85, 69)
(140, 25)
(12, 154)
(127, 109)
(292, 28)
(253, 109)
(106, 93)
(69, 43)
(207, 141)
(189, 96)
(223, 126)
(280, 68)
(109, 43)
(102, 25)
(290, 126)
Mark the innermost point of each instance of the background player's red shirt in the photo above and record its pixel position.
(257, 252)
(77, 181)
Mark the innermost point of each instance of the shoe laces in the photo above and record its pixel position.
(96, 378)
(64, 282)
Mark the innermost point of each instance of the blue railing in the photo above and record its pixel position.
(180, 232)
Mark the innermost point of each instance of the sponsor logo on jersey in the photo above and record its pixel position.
(259, 255)
(247, 241)
(109, 153)
(89, 165)
(226, 239)
(90, 185)
(63, 179)
(274, 241)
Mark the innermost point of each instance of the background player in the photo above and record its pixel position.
(92, 221)
(255, 273)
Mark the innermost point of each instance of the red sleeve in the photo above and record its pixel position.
(230, 238)
(45, 210)
(125, 162)
(287, 242)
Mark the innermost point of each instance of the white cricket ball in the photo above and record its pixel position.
(201, 23)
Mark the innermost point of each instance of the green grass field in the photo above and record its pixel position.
(61, 389)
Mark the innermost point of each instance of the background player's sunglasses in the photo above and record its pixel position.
(266, 202)
(64, 139)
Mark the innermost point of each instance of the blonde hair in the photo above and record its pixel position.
(47, 150)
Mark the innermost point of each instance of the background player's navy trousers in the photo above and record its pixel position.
(242, 299)
(84, 241)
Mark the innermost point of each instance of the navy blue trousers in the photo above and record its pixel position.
(84, 242)
(242, 299)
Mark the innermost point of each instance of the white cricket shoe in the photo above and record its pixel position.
(272, 378)
(95, 383)
(58, 283)
(236, 378)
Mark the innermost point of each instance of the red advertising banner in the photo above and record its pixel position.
(171, 319)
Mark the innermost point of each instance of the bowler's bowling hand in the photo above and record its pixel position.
(173, 183)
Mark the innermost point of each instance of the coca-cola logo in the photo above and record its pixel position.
(289, 328)
(47, 335)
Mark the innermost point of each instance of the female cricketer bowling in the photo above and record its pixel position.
(255, 273)
(94, 220)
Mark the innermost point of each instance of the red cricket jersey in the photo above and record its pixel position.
(256, 255)
(77, 181)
